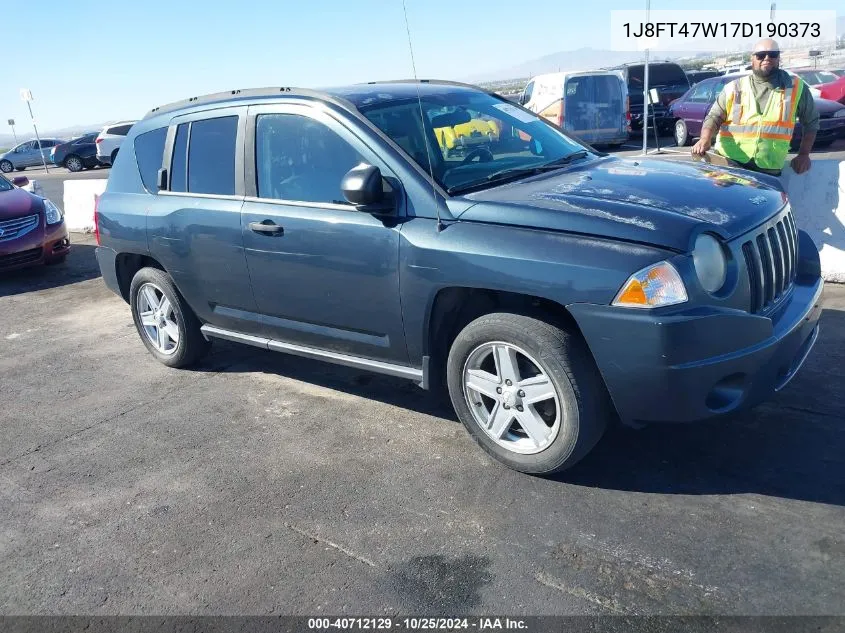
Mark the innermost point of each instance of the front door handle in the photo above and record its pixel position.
(267, 227)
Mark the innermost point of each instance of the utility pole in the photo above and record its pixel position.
(12, 123)
(26, 95)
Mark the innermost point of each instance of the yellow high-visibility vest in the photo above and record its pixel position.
(763, 137)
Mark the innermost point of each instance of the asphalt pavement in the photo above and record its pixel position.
(268, 484)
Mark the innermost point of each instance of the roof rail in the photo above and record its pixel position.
(246, 93)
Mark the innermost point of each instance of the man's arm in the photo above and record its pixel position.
(712, 122)
(808, 116)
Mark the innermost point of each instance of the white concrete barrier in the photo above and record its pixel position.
(818, 203)
(78, 203)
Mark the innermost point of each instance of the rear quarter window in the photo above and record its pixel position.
(149, 149)
(119, 130)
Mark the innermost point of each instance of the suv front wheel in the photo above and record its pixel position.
(165, 322)
(527, 391)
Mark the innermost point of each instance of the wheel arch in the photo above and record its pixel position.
(454, 307)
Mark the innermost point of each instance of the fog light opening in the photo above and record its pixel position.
(727, 393)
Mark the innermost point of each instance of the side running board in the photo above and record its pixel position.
(400, 371)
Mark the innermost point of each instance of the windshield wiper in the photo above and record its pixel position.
(554, 164)
(519, 172)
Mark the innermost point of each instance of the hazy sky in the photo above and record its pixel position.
(90, 62)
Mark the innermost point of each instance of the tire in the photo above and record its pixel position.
(74, 163)
(6, 167)
(113, 156)
(681, 133)
(191, 345)
(20, 168)
(574, 417)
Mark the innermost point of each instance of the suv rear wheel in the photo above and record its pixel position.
(165, 322)
(527, 391)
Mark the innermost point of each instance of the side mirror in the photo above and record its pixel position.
(20, 181)
(362, 185)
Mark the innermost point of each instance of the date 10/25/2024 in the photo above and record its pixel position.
(722, 29)
(417, 624)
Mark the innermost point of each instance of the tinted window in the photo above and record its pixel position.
(149, 148)
(120, 130)
(211, 157)
(47, 144)
(298, 158)
(658, 75)
(179, 163)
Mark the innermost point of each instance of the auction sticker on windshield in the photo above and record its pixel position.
(516, 113)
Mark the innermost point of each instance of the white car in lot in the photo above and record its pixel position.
(109, 140)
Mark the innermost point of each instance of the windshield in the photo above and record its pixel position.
(474, 140)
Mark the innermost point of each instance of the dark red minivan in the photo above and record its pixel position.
(32, 228)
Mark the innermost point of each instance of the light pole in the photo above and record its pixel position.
(12, 123)
(645, 86)
(26, 95)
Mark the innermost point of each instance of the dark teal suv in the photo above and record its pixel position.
(549, 288)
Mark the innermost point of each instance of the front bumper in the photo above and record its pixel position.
(703, 363)
(42, 246)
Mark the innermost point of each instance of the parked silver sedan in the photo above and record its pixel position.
(27, 154)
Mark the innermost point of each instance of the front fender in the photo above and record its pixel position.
(559, 267)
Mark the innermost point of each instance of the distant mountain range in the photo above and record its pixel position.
(590, 58)
(580, 59)
(23, 127)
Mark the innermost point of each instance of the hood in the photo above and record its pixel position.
(651, 201)
(18, 202)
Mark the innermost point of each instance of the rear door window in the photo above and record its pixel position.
(211, 156)
(701, 93)
(120, 130)
(149, 148)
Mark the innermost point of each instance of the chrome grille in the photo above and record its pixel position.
(11, 229)
(770, 257)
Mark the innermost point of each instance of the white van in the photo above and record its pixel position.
(591, 105)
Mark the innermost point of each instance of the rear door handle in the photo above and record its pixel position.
(267, 227)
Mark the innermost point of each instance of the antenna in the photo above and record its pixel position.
(422, 121)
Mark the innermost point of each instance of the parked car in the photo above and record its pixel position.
(32, 228)
(695, 76)
(670, 81)
(815, 77)
(835, 90)
(77, 154)
(589, 105)
(548, 290)
(28, 154)
(690, 110)
(108, 141)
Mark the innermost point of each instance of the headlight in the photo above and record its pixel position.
(655, 286)
(711, 265)
(839, 114)
(53, 213)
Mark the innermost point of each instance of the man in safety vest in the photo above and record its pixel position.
(755, 116)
